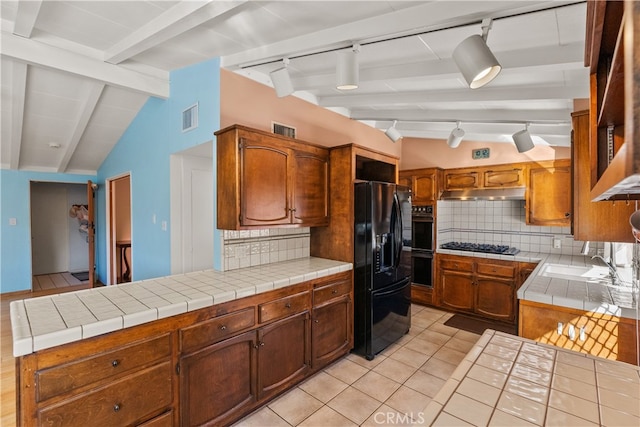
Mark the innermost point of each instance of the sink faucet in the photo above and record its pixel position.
(613, 271)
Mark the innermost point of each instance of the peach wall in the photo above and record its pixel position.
(244, 101)
(253, 104)
(423, 153)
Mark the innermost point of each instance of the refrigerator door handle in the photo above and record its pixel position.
(396, 227)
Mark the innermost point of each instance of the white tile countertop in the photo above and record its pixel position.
(581, 295)
(48, 321)
(507, 380)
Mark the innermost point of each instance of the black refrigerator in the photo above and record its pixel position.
(382, 266)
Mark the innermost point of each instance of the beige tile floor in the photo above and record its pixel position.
(392, 389)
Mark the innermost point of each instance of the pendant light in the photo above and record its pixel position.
(455, 137)
(281, 80)
(393, 133)
(475, 60)
(347, 71)
(523, 140)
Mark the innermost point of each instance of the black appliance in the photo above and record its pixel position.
(422, 245)
(481, 247)
(382, 266)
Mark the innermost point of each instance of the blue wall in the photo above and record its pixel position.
(144, 151)
(15, 241)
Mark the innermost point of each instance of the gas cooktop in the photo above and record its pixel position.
(481, 247)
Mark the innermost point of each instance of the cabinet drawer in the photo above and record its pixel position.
(216, 329)
(118, 404)
(461, 266)
(283, 307)
(330, 291)
(164, 420)
(64, 378)
(496, 270)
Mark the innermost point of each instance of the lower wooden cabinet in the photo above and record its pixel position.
(217, 383)
(481, 286)
(598, 334)
(210, 366)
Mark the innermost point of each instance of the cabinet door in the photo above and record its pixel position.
(406, 180)
(425, 189)
(331, 331)
(503, 178)
(217, 383)
(549, 196)
(456, 290)
(495, 298)
(311, 189)
(283, 354)
(264, 183)
(461, 180)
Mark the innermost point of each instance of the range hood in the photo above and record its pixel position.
(485, 194)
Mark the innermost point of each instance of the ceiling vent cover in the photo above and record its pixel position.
(190, 118)
(284, 130)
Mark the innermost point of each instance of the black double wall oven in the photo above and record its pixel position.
(423, 242)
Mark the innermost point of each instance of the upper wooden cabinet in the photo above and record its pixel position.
(267, 180)
(496, 176)
(548, 195)
(424, 183)
(612, 51)
(604, 221)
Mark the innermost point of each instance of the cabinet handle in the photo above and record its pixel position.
(567, 214)
(316, 321)
(335, 291)
(116, 407)
(288, 305)
(223, 327)
(115, 363)
(261, 343)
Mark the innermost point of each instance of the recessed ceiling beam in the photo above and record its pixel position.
(26, 17)
(184, 16)
(462, 95)
(40, 54)
(479, 115)
(88, 107)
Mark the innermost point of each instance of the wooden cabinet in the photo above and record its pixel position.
(348, 163)
(613, 55)
(332, 325)
(209, 366)
(424, 183)
(97, 385)
(548, 195)
(267, 180)
(603, 221)
(524, 271)
(495, 176)
(598, 334)
(485, 287)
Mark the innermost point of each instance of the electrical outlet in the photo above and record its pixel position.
(557, 243)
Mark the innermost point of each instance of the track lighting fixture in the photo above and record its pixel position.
(393, 133)
(475, 60)
(523, 140)
(347, 71)
(455, 137)
(281, 80)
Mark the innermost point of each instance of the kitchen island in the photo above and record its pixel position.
(509, 380)
(187, 349)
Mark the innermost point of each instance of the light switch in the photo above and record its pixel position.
(164, 225)
(559, 328)
(13, 221)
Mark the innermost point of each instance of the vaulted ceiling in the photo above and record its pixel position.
(75, 73)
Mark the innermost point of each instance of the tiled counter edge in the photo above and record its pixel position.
(49, 321)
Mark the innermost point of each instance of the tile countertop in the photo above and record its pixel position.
(509, 380)
(44, 322)
(562, 292)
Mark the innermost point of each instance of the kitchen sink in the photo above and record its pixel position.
(573, 272)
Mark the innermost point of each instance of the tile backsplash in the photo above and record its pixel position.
(249, 248)
(499, 222)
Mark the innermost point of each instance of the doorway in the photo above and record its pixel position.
(59, 235)
(120, 244)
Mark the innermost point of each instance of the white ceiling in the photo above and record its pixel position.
(75, 73)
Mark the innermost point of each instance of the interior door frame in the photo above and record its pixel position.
(111, 249)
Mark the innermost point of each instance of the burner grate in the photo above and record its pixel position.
(480, 247)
